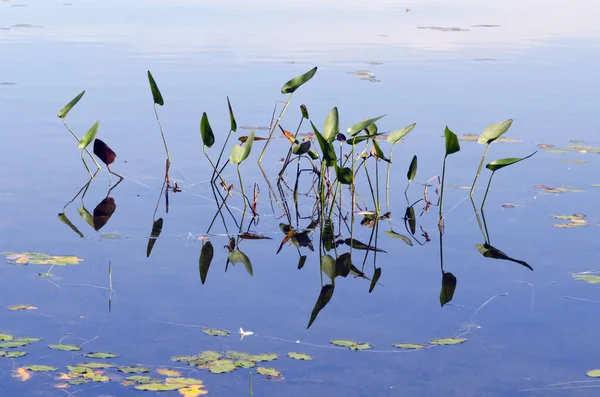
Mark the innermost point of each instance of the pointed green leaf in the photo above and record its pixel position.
(158, 387)
(344, 175)
(232, 123)
(206, 257)
(238, 256)
(241, 153)
(354, 243)
(301, 262)
(452, 145)
(494, 131)
(343, 264)
(65, 110)
(501, 163)
(328, 266)
(375, 278)
(490, 252)
(296, 82)
(208, 138)
(411, 218)
(304, 111)
(89, 136)
(358, 127)
(301, 148)
(87, 217)
(412, 169)
(396, 136)
(359, 139)
(324, 298)
(156, 229)
(63, 218)
(378, 151)
(329, 155)
(393, 234)
(332, 125)
(156, 95)
(448, 288)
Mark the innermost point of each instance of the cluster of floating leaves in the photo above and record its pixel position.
(575, 220)
(558, 190)
(577, 147)
(356, 346)
(34, 258)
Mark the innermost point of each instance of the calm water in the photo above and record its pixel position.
(534, 63)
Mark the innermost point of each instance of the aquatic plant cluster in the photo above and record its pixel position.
(328, 164)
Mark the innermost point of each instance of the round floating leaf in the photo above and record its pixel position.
(358, 127)
(40, 368)
(12, 354)
(158, 387)
(97, 365)
(235, 355)
(208, 138)
(141, 379)
(396, 136)
(245, 363)
(215, 332)
(299, 356)
(168, 372)
(184, 359)
(22, 307)
(12, 344)
(134, 369)
(98, 377)
(264, 357)
(89, 136)
(65, 110)
(447, 341)
(501, 163)
(79, 369)
(269, 373)
(222, 366)
(79, 381)
(209, 355)
(411, 346)
(101, 355)
(494, 131)
(594, 373)
(342, 342)
(63, 347)
(28, 340)
(5, 337)
(296, 82)
(156, 95)
(361, 346)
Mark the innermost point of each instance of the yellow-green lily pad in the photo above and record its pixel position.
(142, 379)
(590, 278)
(351, 344)
(221, 366)
(34, 258)
(245, 363)
(97, 365)
(21, 307)
(215, 332)
(269, 373)
(135, 369)
(12, 344)
(448, 341)
(594, 373)
(264, 357)
(158, 387)
(235, 355)
(184, 359)
(183, 381)
(79, 381)
(28, 340)
(79, 369)
(40, 368)
(64, 347)
(299, 356)
(411, 346)
(6, 337)
(6, 354)
(101, 355)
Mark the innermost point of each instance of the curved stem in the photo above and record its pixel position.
(486, 191)
(162, 134)
(273, 128)
(479, 170)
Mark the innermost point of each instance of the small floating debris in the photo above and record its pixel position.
(443, 29)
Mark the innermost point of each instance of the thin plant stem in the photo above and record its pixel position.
(479, 170)
(220, 155)
(85, 164)
(287, 159)
(86, 149)
(162, 134)
(486, 191)
(387, 181)
(273, 128)
(442, 188)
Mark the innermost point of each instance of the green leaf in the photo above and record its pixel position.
(158, 99)
(327, 236)
(411, 218)
(135, 369)
(141, 379)
(235, 355)
(358, 127)
(28, 340)
(452, 145)
(264, 357)
(101, 355)
(351, 344)
(447, 341)
(97, 365)
(12, 354)
(12, 344)
(232, 123)
(591, 279)
(344, 175)
(301, 148)
(241, 153)
(448, 288)
(410, 346)
(184, 359)
(6, 337)
(245, 363)
(354, 243)
(494, 131)
(343, 264)
(490, 252)
(329, 155)
(63, 218)
(299, 356)
(238, 256)
(86, 216)
(222, 366)
(269, 373)
(296, 82)
(396, 136)
(412, 169)
(324, 298)
(183, 381)
(501, 163)
(208, 138)
(359, 139)
(393, 234)
(64, 111)
(159, 387)
(40, 368)
(328, 266)
(332, 125)
(206, 257)
(156, 229)
(63, 347)
(376, 275)
(378, 151)
(215, 332)
(304, 111)
(594, 373)
(89, 136)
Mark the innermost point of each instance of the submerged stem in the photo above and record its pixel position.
(442, 188)
(387, 181)
(479, 170)
(162, 134)
(486, 191)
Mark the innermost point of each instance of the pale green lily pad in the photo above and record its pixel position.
(28, 340)
(21, 307)
(447, 341)
(34, 258)
(235, 355)
(97, 365)
(98, 377)
(135, 369)
(342, 342)
(12, 344)
(12, 354)
(183, 381)
(79, 369)
(351, 344)
(101, 355)
(594, 373)
(40, 368)
(269, 373)
(245, 363)
(299, 356)
(6, 337)
(63, 347)
(79, 381)
(222, 366)
(205, 358)
(264, 357)
(215, 332)
(590, 278)
(184, 359)
(141, 379)
(412, 346)
(158, 387)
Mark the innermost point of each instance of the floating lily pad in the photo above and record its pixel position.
(245, 363)
(98, 377)
(101, 355)
(222, 366)
(12, 344)
(158, 387)
(28, 340)
(351, 344)
(269, 373)
(184, 359)
(590, 278)
(264, 357)
(215, 332)
(205, 358)
(34, 258)
(40, 368)
(447, 341)
(79, 369)
(12, 354)
(235, 355)
(5, 337)
(575, 220)
(299, 356)
(63, 347)
(79, 381)
(141, 379)
(97, 365)
(575, 161)
(135, 369)
(594, 373)
(192, 391)
(410, 346)
(183, 381)
(168, 372)
(22, 307)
